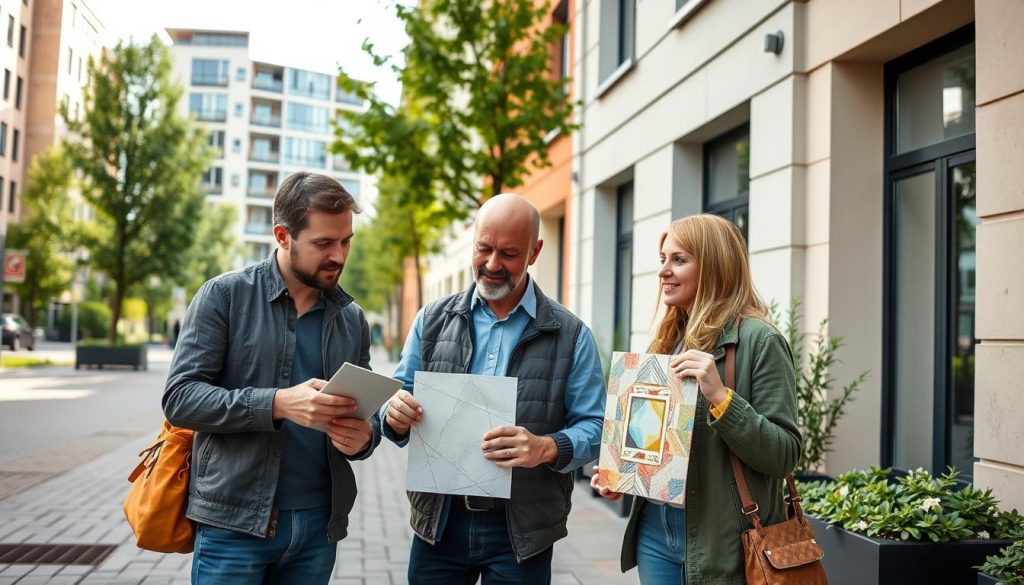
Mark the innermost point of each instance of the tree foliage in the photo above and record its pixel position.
(47, 232)
(478, 102)
(140, 164)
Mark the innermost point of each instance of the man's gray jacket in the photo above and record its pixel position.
(234, 351)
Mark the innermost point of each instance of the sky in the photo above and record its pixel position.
(317, 35)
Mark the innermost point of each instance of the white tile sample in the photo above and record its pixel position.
(444, 448)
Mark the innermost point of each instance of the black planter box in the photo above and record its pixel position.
(984, 579)
(855, 559)
(109, 355)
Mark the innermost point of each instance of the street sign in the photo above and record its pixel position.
(14, 266)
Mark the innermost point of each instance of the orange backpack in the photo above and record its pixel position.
(155, 506)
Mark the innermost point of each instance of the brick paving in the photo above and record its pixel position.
(74, 495)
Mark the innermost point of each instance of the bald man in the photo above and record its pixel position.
(503, 325)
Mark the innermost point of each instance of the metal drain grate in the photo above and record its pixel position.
(55, 554)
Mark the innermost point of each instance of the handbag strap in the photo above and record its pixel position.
(750, 508)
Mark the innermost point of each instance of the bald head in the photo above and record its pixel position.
(511, 211)
(507, 242)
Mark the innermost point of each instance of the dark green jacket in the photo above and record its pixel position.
(760, 427)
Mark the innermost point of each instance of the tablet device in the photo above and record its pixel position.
(370, 389)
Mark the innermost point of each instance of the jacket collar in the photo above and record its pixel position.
(274, 285)
(730, 335)
(543, 317)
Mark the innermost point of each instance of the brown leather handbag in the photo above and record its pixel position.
(785, 553)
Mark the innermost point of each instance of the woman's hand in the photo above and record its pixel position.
(700, 365)
(605, 492)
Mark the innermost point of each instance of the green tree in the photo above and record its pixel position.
(140, 163)
(479, 103)
(47, 233)
(214, 246)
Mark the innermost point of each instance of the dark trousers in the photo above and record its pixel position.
(475, 545)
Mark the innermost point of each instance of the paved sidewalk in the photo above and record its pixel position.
(83, 506)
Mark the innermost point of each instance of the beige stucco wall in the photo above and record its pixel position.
(999, 367)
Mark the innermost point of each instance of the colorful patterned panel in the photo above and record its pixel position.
(648, 428)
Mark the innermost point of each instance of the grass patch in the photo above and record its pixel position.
(17, 361)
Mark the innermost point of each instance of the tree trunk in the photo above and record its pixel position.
(115, 312)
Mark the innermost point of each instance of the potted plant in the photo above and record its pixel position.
(817, 414)
(1006, 567)
(916, 528)
(99, 353)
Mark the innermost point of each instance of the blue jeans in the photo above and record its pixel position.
(474, 545)
(299, 554)
(661, 545)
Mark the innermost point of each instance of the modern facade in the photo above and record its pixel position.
(265, 120)
(870, 152)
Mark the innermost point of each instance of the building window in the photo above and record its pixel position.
(71, 60)
(19, 88)
(623, 267)
(929, 251)
(209, 107)
(236, 145)
(305, 153)
(213, 181)
(309, 118)
(240, 74)
(10, 30)
(3, 138)
(617, 38)
(210, 72)
(217, 142)
(21, 42)
(560, 53)
(727, 177)
(7, 84)
(309, 84)
(79, 76)
(15, 144)
(239, 109)
(234, 179)
(12, 197)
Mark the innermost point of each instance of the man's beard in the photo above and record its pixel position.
(494, 292)
(310, 278)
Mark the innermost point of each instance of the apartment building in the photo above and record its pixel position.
(870, 152)
(265, 120)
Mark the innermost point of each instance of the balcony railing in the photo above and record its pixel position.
(267, 157)
(275, 85)
(272, 121)
(262, 192)
(212, 115)
(259, 229)
(211, 189)
(210, 80)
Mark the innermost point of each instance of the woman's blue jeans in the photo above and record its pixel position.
(661, 545)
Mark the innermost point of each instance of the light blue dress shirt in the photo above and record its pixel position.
(494, 340)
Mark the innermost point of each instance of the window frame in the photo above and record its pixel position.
(939, 159)
(729, 207)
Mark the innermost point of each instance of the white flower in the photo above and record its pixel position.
(862, 525)
(844, 491)
(984, 535)
(930, 504)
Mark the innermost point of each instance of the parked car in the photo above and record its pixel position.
(16, 332)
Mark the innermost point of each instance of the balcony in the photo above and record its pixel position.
(270, 121)
(212, 189)
(268, 84)
(265, 157)
(259, 192)
(211, 115)
(210, 80)
(259, 229)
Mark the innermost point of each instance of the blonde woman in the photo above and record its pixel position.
(710, 303)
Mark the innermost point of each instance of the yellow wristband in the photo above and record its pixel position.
(717, 410)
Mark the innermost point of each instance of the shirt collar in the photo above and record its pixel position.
(528, 302)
